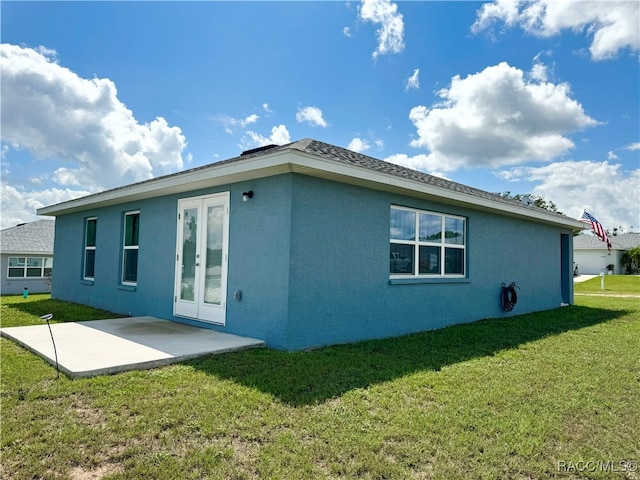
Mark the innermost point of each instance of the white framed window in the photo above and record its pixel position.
(426, 243)
(130, 248)
(30, 267)
(91, 226)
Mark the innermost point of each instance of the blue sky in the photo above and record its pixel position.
(537, 97)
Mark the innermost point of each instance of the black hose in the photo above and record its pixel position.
(509, 296)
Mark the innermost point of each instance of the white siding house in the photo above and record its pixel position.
(27, 257)
(591, 257)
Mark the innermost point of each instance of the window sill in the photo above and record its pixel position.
(86, 282)
(128, 288)
(419, 280)
(23, 279)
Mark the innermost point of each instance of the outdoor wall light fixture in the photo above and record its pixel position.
(247, 195)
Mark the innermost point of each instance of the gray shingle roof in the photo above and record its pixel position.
(624, 241)
(322, 150)
(353, 158)
(34, 237)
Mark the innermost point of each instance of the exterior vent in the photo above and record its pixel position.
(259, 149)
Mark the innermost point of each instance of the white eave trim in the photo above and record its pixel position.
(203, 177)
(24, 253)
(296, 161)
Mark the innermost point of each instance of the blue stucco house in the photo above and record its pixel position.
(309, 244)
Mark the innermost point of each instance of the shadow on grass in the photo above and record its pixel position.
(308, 377)
(63, 311)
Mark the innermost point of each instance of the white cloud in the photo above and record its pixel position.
(265, 107)
(612, 156)
(633, 146)
(38, 180)
(417, 162)
(249, 120)
(231, 122)
(603, 189)
(55, 114)
(47, 52)
(19, 205)
(538, 72)
(346, 31)
(413, 82)
(359, 145)
(311, 115)
(391, 32)
(279, 136)
(613, 25)
(497, 117)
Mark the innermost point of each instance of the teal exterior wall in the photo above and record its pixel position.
(259, 236)
(310, 258)
(340, 289)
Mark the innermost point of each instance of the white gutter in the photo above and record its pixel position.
(27, 253)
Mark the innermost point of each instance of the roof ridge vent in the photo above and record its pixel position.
(259, 149)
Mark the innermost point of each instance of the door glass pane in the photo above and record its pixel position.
(213, 276)
(403, 224)
(401, 259)
(429, 260)
(189, 236)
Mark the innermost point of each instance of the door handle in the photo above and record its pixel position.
(197, 264)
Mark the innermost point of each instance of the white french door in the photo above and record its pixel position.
(201, 258)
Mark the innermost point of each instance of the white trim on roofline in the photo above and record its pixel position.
(26, 253)
(383, 181)
(291, 160)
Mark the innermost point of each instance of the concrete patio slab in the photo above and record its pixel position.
(98, 347)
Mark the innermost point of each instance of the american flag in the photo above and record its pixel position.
(597, 227)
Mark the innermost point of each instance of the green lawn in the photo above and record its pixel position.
(547, 395)
(613, 284)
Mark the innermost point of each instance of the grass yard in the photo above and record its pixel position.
(613, 284)
(546, 395)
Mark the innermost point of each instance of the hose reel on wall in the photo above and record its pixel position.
(508, 296)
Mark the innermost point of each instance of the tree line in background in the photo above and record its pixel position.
(631, 260)
(536, 201)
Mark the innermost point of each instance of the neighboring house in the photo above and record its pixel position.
(591, 256)
(27, 257)
(309, 244)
